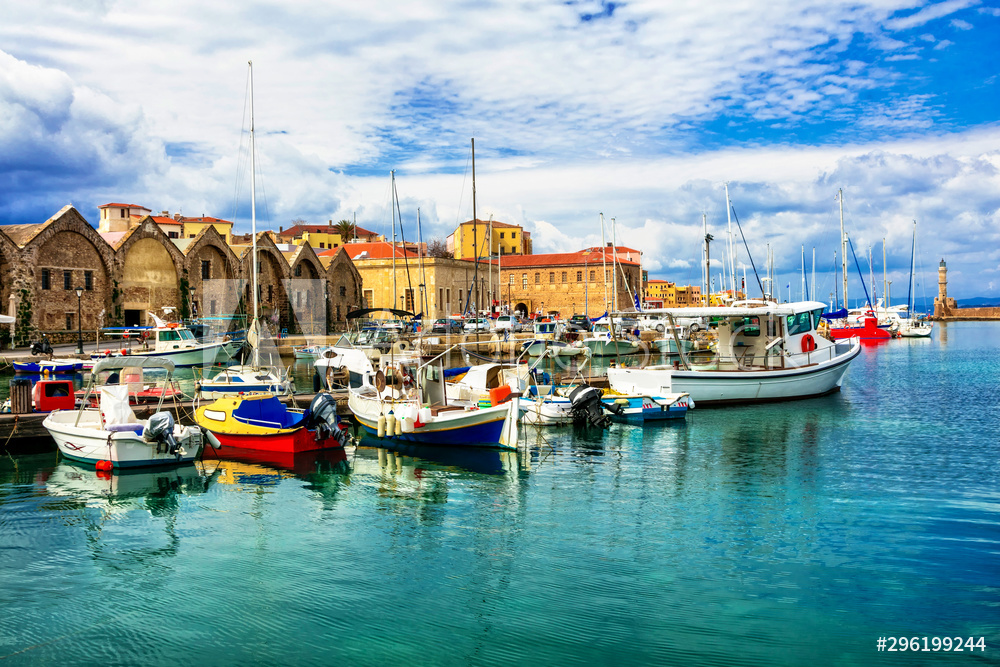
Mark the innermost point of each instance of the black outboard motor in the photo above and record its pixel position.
(587, 407)
(323, 418)
(160, 428)
(41, 347)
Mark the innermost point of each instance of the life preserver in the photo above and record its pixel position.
(808, 343)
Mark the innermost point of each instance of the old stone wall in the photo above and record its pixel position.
(984, 313)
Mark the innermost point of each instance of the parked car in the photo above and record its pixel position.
(447, 325)
(477, 324)
(579, 323)
(511, 323)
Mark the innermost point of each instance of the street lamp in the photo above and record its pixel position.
(192, 314)
(79, 323)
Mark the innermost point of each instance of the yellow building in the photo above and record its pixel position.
(665, 294)
(324, 237)
(487, 238)
(194, 225)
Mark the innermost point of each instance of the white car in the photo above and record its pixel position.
(477, 324)
(510, 323)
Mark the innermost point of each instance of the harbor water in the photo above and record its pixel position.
(796, 533)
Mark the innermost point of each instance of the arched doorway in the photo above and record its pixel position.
(521, 310)
(149, 282)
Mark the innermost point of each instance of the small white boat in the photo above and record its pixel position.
(603, 342)
(307, 351)
(174, 341)
(243, 379)
(111, 432)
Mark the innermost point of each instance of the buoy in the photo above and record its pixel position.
(104, 465)
(399, 426)
(390, 424)
(381, 426)
(103, 474)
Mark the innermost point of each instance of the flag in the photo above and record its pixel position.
(637, 306)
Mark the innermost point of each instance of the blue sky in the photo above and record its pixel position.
(638, 110)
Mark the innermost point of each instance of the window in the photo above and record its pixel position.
(67, 279)
(69, 321)
(206, 269)
(552, 276)
(513, 235)
(591, 275)
(748, 326)
(172, 235)
(124, 213)
(512, 279)
(524, 280)
(270, 292)
(798, 324)
(338, 312)
(579, 276)
(343, 290)
(501, 234)
(212, 304)
(538, 277)
(564, 276)
(322, 245)
(88, 280)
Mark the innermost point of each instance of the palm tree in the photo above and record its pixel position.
(346, 229)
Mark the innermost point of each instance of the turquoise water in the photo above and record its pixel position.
(796, 533)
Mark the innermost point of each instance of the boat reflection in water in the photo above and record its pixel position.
(399, 455)
(248, 466)
(151, 489)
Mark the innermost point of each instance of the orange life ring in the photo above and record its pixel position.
(808, 343)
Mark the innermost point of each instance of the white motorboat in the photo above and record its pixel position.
(111, 432)
(765, 352)
(174, 341)
(608, 341)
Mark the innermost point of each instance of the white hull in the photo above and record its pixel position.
(188, 356)
(714, 387)
(610, 348)
(89, 443)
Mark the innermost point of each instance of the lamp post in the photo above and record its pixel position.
(79, 322)
(193, 312)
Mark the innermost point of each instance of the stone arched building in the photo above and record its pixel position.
(123, 274)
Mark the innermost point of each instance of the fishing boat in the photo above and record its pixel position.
(547, 336)
(765, 352)
(262, 422)
(111, 434)
(307, 351)
(409, 401)
(52, 366)
(176, 342)
(608, 341)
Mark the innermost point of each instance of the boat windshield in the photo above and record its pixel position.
(799, 323)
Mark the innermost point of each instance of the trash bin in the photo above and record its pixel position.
(20, 396)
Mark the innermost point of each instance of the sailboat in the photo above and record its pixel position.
(249, 415)
(253, 377)
(911, 326)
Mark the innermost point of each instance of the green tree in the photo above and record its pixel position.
(346, 229)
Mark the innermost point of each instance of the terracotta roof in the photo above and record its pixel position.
(161, 220)
(206, 219)
(589, 256)
(322, 229)
(487, 222)
(375, 250)
(115, 205)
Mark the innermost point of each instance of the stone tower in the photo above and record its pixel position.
(943, 306)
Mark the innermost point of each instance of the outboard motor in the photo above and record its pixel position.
(323, 418)
(41, 347)
(587, 408)
(160, 428)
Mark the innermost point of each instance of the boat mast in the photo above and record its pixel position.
(812, 288)
(255, 323)
(423, 276)
(614, 265)
(708, 240)
(803, 272)
(475, 224)
(490, 269)
(909, 287)
(843, 245)
(392, 205)
(604, 261)
(885, 279)
(730, 244)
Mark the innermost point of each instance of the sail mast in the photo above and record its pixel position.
(255, 324)
(730, 249)
(475, 224)
(843, 246)
(392, 205)
(604, 261)
(423, 276)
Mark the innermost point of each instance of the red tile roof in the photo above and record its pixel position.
(590, 256)
(487, 222)
(375, 250)
(206, 219)
(161, 220)
(124, 206)
(297, 230)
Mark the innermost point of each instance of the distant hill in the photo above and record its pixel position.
(978, 302)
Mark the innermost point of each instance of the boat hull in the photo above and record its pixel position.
(712, 387)
(610, 348)
(37, 368)
(642, 409)
(301, 440)
(189, 356)
(124, 449)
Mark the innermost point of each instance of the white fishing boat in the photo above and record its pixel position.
(608, 341)
(408, 401)
(176, 342)
(765, 352)
(111, 432)
(548, 336)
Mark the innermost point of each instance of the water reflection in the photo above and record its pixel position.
(399, 455)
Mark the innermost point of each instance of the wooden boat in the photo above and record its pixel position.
(111, 432)
(53, 366)
(262, 422)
